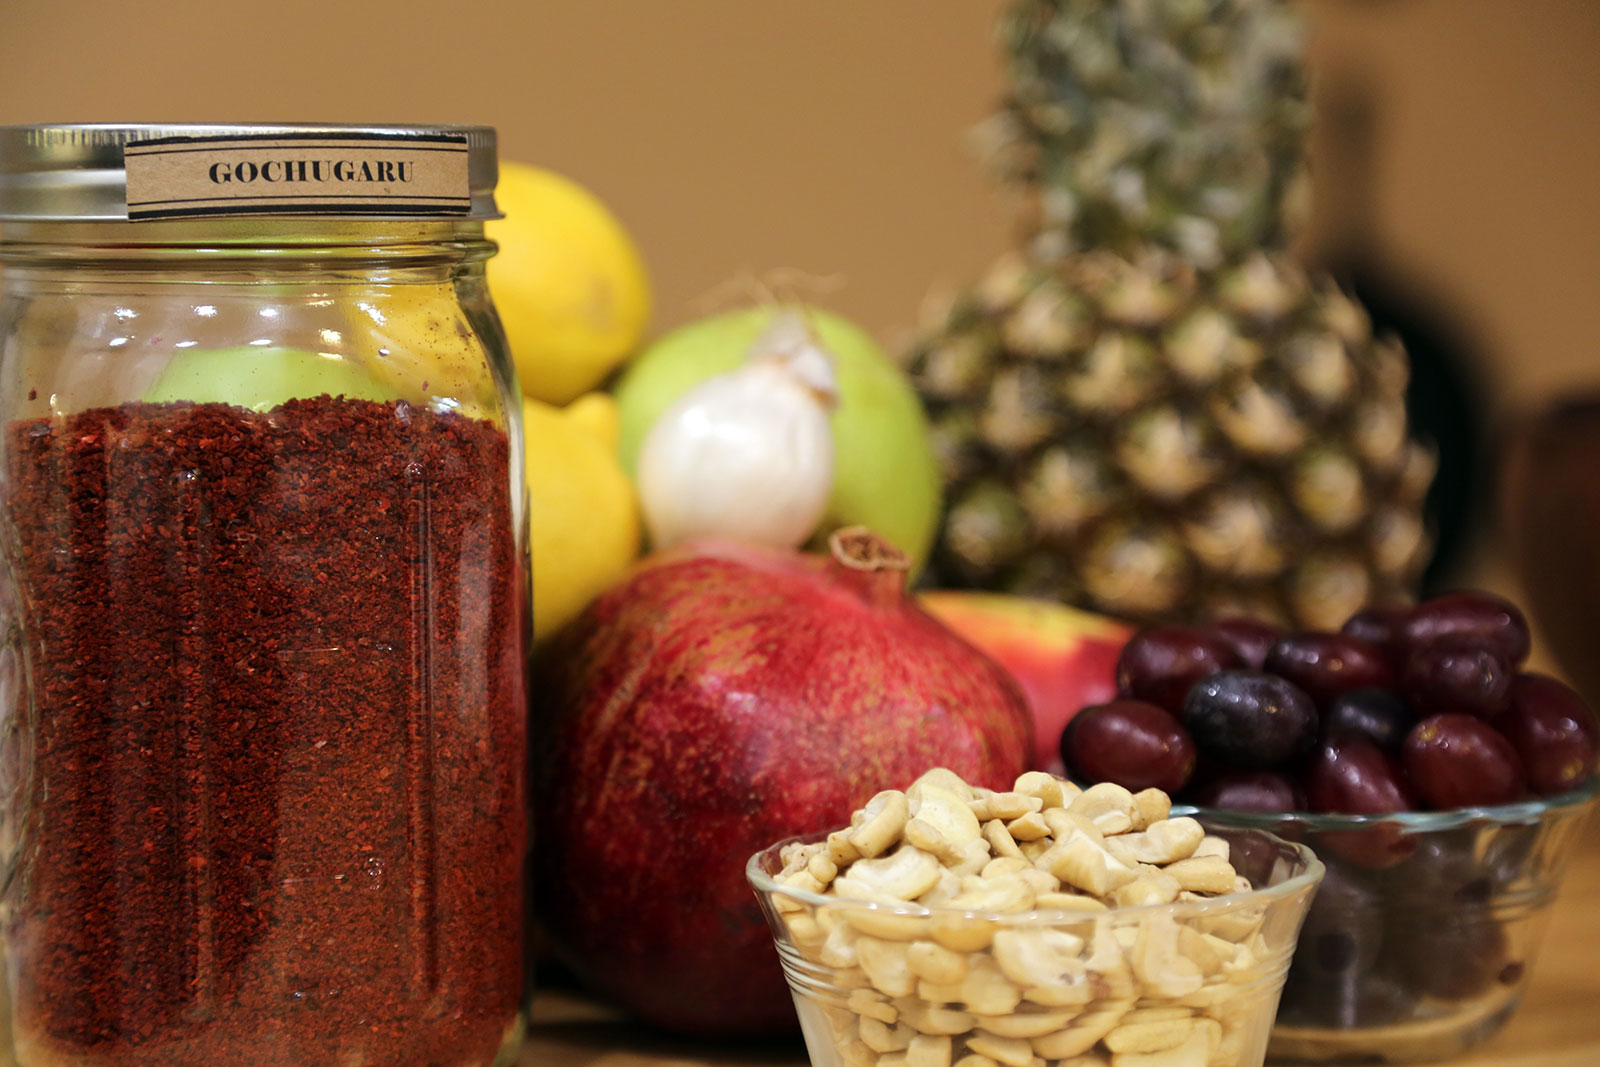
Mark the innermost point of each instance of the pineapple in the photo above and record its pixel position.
(1152, 410)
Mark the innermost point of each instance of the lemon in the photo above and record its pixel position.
(583, 518)
(424, 348)
(569, 283)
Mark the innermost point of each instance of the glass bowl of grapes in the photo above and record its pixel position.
(1443, 786)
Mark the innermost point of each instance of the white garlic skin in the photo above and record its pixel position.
(746, 455)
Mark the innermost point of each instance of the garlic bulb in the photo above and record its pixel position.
(747, 454)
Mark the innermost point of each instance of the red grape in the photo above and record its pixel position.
(1325, 665)
(1486, 619)
(1249, 720)
(1371, 713)
(1250, 639)
(1457, 761)
(1251, 791)
(1129, 742)
(1353, 776)
(1553, 731)
(1380, 626)
(1159, 664)
(1456, 675)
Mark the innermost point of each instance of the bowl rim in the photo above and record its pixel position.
(765, 885)
(1520, 812)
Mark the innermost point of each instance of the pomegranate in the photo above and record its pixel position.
(719, 698)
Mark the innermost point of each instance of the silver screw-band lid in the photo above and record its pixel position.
(80, 172)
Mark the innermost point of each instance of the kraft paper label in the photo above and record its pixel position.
(298, 174)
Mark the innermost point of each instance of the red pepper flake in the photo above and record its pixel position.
(275, 657)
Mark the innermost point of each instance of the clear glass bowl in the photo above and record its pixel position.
(1419, 942)
(879, 985)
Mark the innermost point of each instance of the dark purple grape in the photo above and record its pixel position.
(1484, 619)
(1251, 791)
(1458, 676)
(1325, 665)
(1250, 639)
(1159, 664)
(1372, 713)
(1443, 872)
(1458, 761)
(1447, 951)
(1343, 931)
(1343, 1002)
(1134, 744)
(1553, 731)
(1380, 626)
(1353, 776)
(1249, 720)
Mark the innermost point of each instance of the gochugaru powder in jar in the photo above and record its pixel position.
(275, 808)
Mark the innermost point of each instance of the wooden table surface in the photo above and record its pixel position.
(1558, 1024)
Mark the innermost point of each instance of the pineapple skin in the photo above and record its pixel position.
(1160, 442)
(1150, 410)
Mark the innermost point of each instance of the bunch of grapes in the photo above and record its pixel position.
(1403, 709)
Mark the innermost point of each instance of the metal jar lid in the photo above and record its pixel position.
(79, 172)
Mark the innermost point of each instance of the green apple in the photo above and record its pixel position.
(261, 378)
(884, 473)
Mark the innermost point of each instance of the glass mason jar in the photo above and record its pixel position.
(263, 601)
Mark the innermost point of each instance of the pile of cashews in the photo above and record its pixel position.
(953, 974)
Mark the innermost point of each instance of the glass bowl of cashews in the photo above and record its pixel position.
(1044, 926)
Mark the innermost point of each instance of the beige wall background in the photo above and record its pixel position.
(828, 136)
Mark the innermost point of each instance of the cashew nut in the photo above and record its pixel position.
(1204, 874)
(1150, 1035)
(1011, 1051)
(839, 949)
(1029, 827)
(1157, 962)
(944, 778)
(869, 1003)
(1212, 845)
(972, 1059)
(1051, 791)
(1163, 842)
(945, 812)
(961, 933)
(931, 1019)
(975, 855)
(886, 966)
(840, 850)
(1150, 806)
(1027, 1024)
(1151, 886)
(883, 1037)
(1000, 842)
(936, 963)
(928, 1050)
(1080, 862)
(1108, 805)
(986, 991)
(1010, 806)
(1084, 1033)
(1005, 865)
(904, 874)
(823, 869)
(1068, 902)
(1046, 964)
(1003, 893)
(886, 816)
(1196, 1049)
(946, 887)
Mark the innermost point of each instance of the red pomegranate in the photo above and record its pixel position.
(718, 699)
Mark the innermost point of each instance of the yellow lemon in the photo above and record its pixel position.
(569, 283)
(583, 518)
(424, 348)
